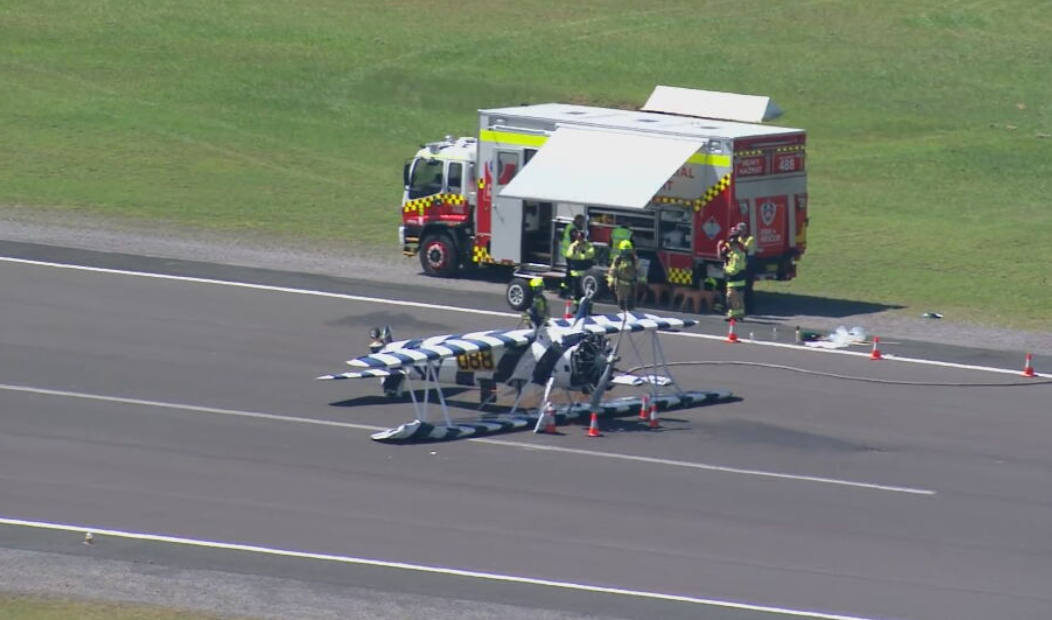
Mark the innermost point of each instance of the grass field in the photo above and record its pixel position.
(930, 122)
(39, 608)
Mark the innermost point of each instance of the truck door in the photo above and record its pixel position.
(768, 221)
(507, 220)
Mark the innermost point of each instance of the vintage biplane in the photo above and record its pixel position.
(574, 355)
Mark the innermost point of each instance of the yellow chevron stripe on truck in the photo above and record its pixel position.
(480, 254)
(668, 200)
(683, 277)
(535, 141)
(421, 204)
(711, 193)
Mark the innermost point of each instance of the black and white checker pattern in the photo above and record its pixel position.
(410, 352)
(636, 322)
(419, 432)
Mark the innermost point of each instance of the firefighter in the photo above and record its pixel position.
(734, 270)
(538, 311)
(624, 272)
(580, 257)
(711, 284)
(577, 225)
(749, 245)
(617, 235)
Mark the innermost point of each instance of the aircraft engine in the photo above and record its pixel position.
(587, 362)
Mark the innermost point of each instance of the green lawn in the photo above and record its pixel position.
(41, 608)
(930, 122)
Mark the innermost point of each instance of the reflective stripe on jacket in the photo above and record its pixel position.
(580, 257)
(735, 267)
(618, 235)
(624, 270)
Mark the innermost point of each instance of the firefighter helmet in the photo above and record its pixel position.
(625, 245)
(537, 283)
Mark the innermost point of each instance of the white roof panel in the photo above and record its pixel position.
(564, 114)
(601, 168)
(712, 104)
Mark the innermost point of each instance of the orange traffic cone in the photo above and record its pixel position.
(875, 353)
(550, 427)
(731, 336)
(643, 410)
(654, 417)
(546, 423)
(1028, 369)
(593, 428)
(568, 313)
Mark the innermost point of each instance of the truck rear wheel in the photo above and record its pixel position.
(518, 294)
(595, 282)
(438, 255)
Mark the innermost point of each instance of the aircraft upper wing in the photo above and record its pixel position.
(406, 353)
(633, 322)
(365, 374)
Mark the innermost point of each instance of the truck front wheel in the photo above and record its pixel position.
(518, 294)
(438, 255)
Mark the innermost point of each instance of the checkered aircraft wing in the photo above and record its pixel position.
(396, 356)
(629, 322)
(365, 374)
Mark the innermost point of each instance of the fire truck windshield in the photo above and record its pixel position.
(426, 178)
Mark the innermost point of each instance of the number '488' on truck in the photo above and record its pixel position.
(680, 173)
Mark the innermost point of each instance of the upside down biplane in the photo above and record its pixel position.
(574, 355)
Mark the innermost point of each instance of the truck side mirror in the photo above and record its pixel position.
(405, 172)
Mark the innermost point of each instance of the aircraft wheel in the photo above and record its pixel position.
(438, 255)
(518, 294)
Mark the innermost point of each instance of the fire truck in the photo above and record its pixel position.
(679, 173)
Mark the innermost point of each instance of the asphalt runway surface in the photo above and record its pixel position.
(187, 408)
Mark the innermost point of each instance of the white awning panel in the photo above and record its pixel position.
(601, 168)
(712, 104)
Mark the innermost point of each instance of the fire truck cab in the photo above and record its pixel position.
(680, 173)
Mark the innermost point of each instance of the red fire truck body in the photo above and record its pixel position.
(679, 182)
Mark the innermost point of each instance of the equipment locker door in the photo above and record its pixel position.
(507, 218)
(770, 225)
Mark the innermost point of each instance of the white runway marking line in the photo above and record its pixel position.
(417, 304)
(453, 572)
(259, 287)
(706, 467)
(193, 408)
(865, 354)
(514, 444)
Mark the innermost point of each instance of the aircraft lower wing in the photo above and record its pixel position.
(364, 374)
(636, 381)
(396, 357)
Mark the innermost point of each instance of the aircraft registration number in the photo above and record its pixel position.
(479, 360)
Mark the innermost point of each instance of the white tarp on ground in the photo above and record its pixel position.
(840, 339)
(601, 168)
(712, 104)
